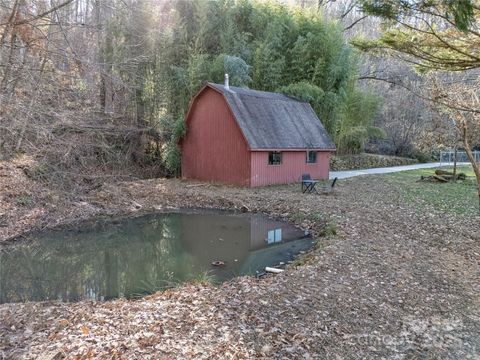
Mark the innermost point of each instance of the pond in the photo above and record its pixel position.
(135, 256)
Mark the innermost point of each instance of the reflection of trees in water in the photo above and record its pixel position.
(111, 274)
(30, 272)
(164, 254)
(130, 258)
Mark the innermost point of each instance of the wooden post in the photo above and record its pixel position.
(454, 177)
(455, 151)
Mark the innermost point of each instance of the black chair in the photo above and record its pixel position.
(325, 189)
(308, 185)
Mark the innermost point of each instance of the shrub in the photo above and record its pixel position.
(421, 156)
(366, 161)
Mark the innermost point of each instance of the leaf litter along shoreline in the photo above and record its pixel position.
(393, 282)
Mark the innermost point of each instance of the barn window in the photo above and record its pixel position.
(274, 158)
(311, 157)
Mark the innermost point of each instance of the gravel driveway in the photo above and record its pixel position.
(385, 170)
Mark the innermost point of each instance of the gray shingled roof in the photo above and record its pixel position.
(275, 121)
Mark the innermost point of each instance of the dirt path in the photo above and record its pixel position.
(394, 282)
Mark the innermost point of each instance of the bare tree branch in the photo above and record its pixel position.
(39, 16)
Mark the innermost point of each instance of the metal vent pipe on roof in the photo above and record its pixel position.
(227, 86)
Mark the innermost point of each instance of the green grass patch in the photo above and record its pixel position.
(457, 198)
(330, 229)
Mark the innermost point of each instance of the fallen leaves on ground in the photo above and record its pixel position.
(394, 282)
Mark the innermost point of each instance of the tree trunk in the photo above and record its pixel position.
(471, 157)
(101, 57)
(8, 67)
(455, 151)
(10, 23)
(32, 100)
(19, 73)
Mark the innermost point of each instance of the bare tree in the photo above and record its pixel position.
(462, 93)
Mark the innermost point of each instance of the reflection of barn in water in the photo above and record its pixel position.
(266, 231)
(236, 240)
(270, 243)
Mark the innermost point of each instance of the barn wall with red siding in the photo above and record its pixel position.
(292, 167)
(214, 148)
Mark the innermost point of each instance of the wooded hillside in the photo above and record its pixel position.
(113, 80)
(94, 87)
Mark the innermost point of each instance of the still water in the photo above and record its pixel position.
(136, 256)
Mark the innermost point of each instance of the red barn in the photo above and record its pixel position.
(253, 138)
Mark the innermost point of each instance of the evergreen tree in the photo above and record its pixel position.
(165, 57)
